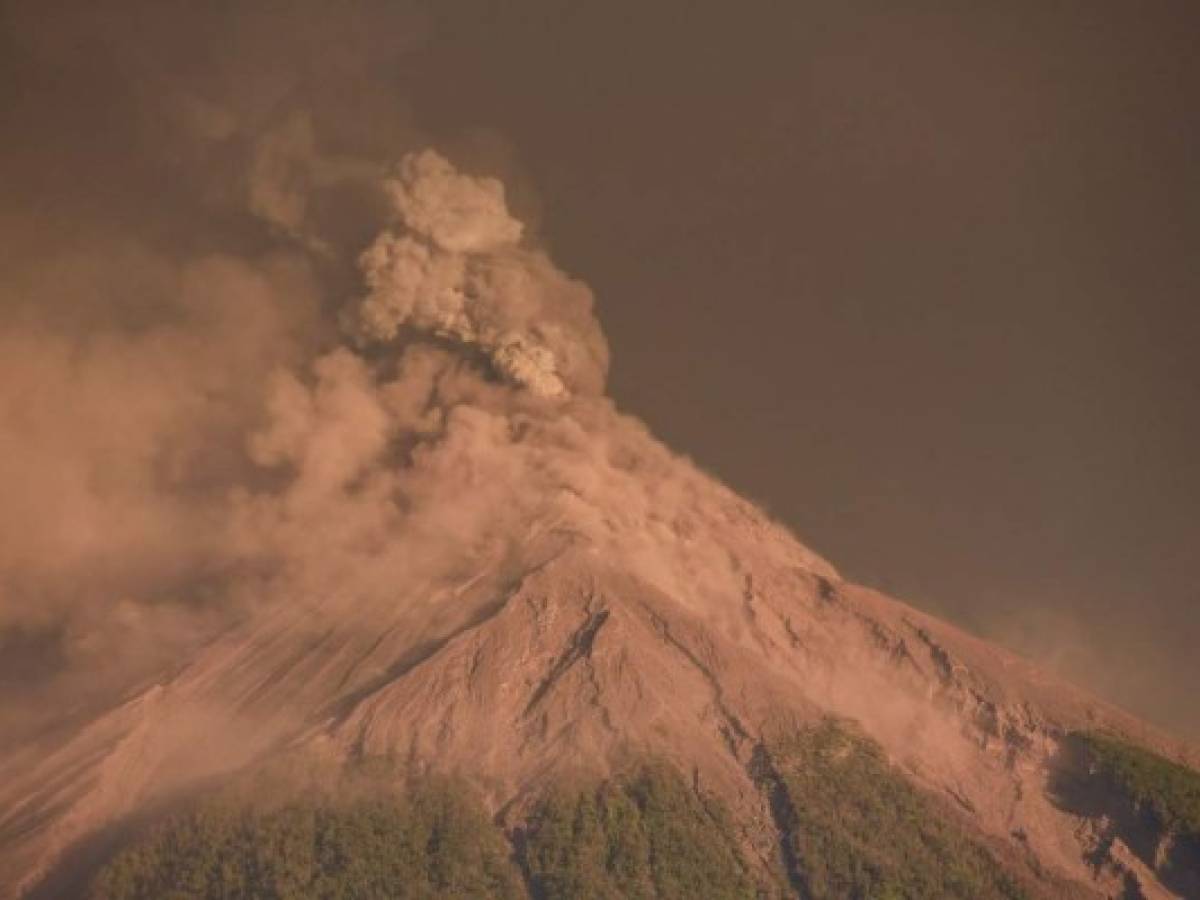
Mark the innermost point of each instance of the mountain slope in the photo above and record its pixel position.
(578, 668)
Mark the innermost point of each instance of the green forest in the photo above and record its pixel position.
(849, 825)
(1170, 792)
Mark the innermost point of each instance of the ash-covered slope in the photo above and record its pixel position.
(580, 651)
(460, 558)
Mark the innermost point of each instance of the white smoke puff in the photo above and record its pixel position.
(457, 212)
(528, 363)
(457, 272)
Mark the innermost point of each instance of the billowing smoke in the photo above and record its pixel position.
(187, 189)
(301, 359)
(456, 270)
(119, 444)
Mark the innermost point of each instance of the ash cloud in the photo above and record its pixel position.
(457, 270)
(262, 345)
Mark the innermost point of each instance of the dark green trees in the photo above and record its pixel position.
(1166, 789)
(649, 836)
(855, 828)
(849, 826)
(429, 845)
(1150, 803)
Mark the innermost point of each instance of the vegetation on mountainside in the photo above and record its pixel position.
(1169, 790)
(429, 845)
(646, 836)
(853, 827)
(649, 836)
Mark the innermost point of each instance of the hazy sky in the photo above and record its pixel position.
(920, 278)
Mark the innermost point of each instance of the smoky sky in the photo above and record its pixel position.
(920, 280)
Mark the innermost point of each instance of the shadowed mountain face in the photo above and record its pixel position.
(435, 549)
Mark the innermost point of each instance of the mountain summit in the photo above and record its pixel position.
(455, 556)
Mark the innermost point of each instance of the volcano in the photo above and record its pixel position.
(463, 560)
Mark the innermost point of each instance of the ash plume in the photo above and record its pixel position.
(301, 358)
(456, 270)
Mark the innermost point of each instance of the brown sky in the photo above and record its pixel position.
(920, 278)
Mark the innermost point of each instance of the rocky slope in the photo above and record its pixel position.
(571, 660)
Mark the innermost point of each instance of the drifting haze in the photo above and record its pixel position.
(178, 403)
(354, 384)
